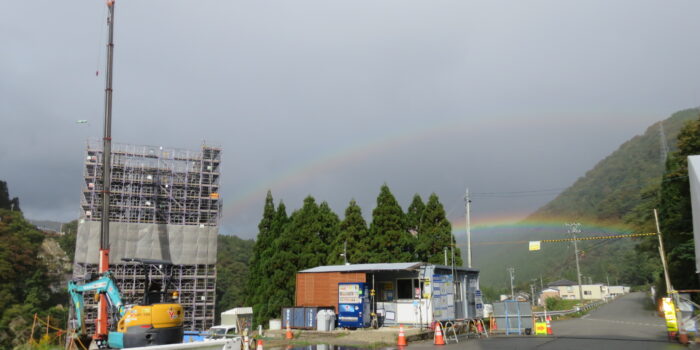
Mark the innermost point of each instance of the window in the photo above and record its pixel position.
(587, 292)
(409, 288)
(404, 289)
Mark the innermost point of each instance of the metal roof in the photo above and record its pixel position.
(380, 267)
(561, 283)
(365, 267)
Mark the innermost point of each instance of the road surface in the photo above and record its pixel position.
(626, 323)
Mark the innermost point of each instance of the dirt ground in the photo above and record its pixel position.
(375, 338)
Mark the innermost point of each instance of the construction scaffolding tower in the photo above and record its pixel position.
(164, 204)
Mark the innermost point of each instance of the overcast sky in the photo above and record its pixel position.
(335, 98)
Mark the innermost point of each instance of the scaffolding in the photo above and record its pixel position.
(196, 285)
(155, 187)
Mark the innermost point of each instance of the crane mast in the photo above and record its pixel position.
(102, 327)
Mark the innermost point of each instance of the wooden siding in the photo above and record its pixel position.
(321, 288)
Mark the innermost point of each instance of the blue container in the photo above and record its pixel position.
(298, 318)
(287, 317)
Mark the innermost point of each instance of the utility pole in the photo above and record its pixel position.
(469, 229)
(574, 228)
(511, 271)
(345, 252)
(662, 253)
(532, 294)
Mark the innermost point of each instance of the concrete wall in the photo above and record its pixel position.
(179, 244)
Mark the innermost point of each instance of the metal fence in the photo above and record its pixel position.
(571, 311)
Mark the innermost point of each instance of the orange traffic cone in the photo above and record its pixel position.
(549, 327)
(438, 340)
(260, 345)
(495, 325)
(402, 337)
(289, 334)
(479, 327)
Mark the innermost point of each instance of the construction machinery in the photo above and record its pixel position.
(153, 321)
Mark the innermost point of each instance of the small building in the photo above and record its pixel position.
(615, 291)
(570, 290)
(548, 293)
(402, 293)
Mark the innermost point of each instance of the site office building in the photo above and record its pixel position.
(414, 292)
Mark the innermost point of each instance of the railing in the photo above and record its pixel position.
(588, 306)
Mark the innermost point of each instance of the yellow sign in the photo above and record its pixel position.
(670, 315)
(540, 328)
(534, 245)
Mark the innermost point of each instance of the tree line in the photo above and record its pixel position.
(314, 235)
(671, 196)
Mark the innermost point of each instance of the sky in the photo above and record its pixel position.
(335, 98)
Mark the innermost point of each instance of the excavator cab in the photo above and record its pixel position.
(158, 319)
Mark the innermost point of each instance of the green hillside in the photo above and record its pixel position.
(600, 200)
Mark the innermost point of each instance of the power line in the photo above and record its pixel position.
(601, 236)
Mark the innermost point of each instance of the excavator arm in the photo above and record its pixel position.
(103, 285)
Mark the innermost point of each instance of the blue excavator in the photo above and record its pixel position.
(154, 321)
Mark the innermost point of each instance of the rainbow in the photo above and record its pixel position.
(521, 221)
(304, 171)
(334, 159)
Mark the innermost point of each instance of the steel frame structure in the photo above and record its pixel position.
(156, 185)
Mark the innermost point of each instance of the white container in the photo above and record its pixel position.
(275, 324)
(331, 320)
(322, 321)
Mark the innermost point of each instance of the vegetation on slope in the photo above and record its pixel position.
(26, 279)
(614, 193)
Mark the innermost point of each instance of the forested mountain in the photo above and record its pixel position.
(609, 198)
(29, 275)
(612, 188)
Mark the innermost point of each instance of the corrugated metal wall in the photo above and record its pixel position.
(321, 289)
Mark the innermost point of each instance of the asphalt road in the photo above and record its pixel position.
(626, 323)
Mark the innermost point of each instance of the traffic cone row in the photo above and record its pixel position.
(438, 340)
(402, 337)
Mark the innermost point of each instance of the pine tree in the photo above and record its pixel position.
(414, 215)
(353, 231)
(329, 228)
(258, 282)
(388, 240)
(436, 234)
(298, 247)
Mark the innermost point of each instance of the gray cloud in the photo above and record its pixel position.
(532, 94)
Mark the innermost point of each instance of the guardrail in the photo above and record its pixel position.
(566, 312)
